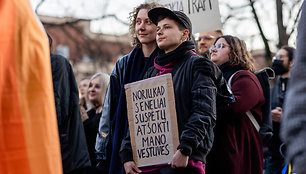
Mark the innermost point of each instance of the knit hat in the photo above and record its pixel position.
(178, 16)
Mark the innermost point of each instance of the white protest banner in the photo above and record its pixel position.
(152, 120)
(204, 14)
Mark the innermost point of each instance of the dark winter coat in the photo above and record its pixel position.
(113, 124)
(196, 81)
(91, 128)
(237, 148)
(278, 93)
(71, 132)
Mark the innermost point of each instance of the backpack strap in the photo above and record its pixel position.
(270, 72)
(229, 82)
(248, 113)
(253, 120)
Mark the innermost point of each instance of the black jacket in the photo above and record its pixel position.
(109, 108)
(278, 93)
(91, 128)
(196, 81)
(71, 132)
(113, 123)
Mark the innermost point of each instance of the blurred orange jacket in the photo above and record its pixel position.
(29, 141)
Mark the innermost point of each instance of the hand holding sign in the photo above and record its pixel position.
(179, 160)
(152, 120)
(131, 168)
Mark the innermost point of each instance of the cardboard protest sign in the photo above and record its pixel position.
(152, 120)
(204, 14)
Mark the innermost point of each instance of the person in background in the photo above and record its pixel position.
(282, 63)
(237, 147)
(95, 96)
(293, 129)
(74, 150)
(113, 125)
(83, 100)
(83, 86)
(206, 40)
(196, 81)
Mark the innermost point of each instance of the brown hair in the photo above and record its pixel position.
(239, 57)
(290, 52)
(218, 33)
(133, 16)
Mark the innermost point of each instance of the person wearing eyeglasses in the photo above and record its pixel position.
(282, 63)
(206, 40)
(237, 146)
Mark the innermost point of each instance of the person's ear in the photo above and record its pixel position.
(291, 63)
(185, 35)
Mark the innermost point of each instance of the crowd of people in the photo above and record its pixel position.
(218, 97)
(219, 112)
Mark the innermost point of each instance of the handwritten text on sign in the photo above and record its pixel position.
(204, 14)
(152, 120)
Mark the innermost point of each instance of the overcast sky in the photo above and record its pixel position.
(91, 9)
(95, 8)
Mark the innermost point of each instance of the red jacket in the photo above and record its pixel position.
(237, 147)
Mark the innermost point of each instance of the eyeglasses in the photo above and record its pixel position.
(217, 47)
(205, 37)
(279, 56)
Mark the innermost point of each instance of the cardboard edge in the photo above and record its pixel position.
(173, 115)
(152, 80)
(131, 124)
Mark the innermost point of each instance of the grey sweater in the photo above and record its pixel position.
(293, 126)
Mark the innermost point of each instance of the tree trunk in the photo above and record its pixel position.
(282, 34)
(265, 40)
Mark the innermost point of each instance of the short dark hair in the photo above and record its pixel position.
(290, 52)
(180, 26)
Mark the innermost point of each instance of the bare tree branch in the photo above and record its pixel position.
(290, 9)
(38, 5)
(295, 22)
(104, 16)
(282, 34)
(235, 7)
(93, 19)
(242, 18)
(265, 40)
(113, 16)
(227, 18)
(105, 6)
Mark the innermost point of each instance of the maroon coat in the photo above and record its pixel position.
(237, 147)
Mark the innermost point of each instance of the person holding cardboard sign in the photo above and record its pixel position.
(131, 67)
(196, 82)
